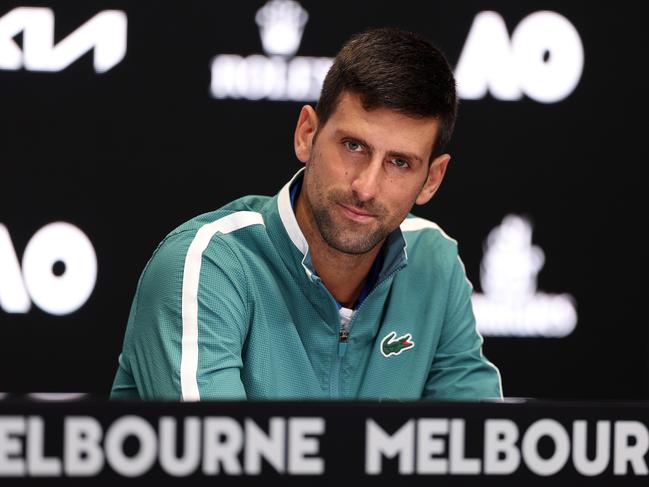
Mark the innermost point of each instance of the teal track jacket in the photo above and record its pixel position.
(230, 307)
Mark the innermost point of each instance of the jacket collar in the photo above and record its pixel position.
(395, 256)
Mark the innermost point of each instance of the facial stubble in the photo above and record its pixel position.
(344, 236)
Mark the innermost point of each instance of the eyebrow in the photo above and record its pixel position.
(398, 154)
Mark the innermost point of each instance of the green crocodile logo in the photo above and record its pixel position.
(394, 346)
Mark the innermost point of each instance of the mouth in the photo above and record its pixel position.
(356, 214)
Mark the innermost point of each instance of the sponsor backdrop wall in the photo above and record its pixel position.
(120, 120)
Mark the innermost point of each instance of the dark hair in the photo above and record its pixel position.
(395, 69)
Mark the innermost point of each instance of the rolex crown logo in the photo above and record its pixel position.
(281, 24)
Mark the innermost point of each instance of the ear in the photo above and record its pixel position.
(435, 175)
(307, 126)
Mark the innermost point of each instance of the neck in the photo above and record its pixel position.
(343, 274)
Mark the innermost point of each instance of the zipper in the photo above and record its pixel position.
(343, 338)
(343, 335)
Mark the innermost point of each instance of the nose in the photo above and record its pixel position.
(366, 183)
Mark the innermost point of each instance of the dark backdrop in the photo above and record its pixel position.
(128, 154)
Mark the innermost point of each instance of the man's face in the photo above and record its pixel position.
(364, 171)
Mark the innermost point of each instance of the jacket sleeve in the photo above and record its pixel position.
(187, 325)
(459, 370)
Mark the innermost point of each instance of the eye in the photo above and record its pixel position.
(400, 163)
(353, 146)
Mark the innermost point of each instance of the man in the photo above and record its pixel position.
(311, 294)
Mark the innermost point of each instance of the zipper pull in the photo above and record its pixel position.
(344, 334)
(342, 342)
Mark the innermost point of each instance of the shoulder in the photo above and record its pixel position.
(431, 252)
(210, 233)
(242, 213)
(425, 238)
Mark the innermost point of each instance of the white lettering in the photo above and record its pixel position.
(544, 58)
(140, 462)
(378, 443)
(13, 295)
(627, 453)
(10, 446)
(458, 462)
(429, 447)
(82, 452)
(299, 80)
(257, 77)
(300, 445)
(501, 455)
(534, 461)
(105, 33)
(549, 56)
(582, 463)
(65, 243)
(424, 446)
(190, 459)
(222, 442)
(57, 293)
(270, 447)
(486, 62)
(37, 463)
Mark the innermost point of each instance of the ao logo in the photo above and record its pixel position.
(544, 58)
(59, 270)
(105, 33)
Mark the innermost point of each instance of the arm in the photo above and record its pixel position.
(459, 370)
(187, 325)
